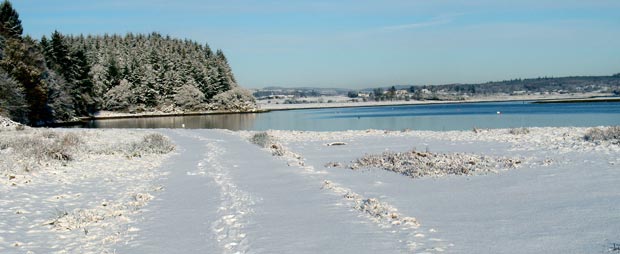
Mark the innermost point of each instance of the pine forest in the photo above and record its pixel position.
(62, 77)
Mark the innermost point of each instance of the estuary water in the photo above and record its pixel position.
(461, 116)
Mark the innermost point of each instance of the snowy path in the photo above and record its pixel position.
(183, 211)
(225, 195)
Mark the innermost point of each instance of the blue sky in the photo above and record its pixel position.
(362, 43)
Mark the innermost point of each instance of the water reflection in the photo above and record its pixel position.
(223, 121)
(416, 117)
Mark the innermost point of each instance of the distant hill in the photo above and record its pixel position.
(577, 84)
(300, 91)
(540, 85)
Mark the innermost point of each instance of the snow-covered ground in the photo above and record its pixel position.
(219, 193)
(73, 191)
(560, 201)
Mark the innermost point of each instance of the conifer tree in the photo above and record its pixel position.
(113, 71)
(59, 55)
(24, 62)
(84, 99)
(10, 24)
(208, 52)
(46, 49)
(12, 101)
(223, 62)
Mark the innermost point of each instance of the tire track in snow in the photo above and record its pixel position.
(235, 205)
(387, 217)
(380, 213)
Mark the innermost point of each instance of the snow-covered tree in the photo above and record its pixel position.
(65, 76)
(156, 66)
(60, 100)
(101, 83)
(119, 97)
(10, 24)
(236, 100)
(23, 61)
(188, 97)
(12, 101)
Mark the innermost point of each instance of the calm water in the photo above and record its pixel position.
(417, 117)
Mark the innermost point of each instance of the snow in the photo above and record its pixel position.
(6, 124)
(219, 193)
(560, 207)
(79, 206)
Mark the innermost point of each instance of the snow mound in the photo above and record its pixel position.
(6, 123)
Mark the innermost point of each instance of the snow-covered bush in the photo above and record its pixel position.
(603, 134)
(421, 164)
(264, 140)
(188, 97)
(261, 139)
(519, 131)
(34, 149)
(236, 100)
(20, 127)
(29, 150)
(8, 124)
(119, 97)
(154, 143)
(25, 155)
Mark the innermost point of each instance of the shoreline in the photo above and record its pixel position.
(405, 103)
(535, 99)
(594, 99)
(115, 115)
(288, 107)
(127, 115)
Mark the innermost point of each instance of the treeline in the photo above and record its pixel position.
(542, 85)
(582, 84)
(64, 76)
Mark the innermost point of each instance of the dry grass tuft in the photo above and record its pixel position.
(420, 164)
(262, 139)
(34, 149)
(519, 131)
(611, 134)
(154, 143)
(46, 145)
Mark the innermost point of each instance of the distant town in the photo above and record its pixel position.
(544, 86)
